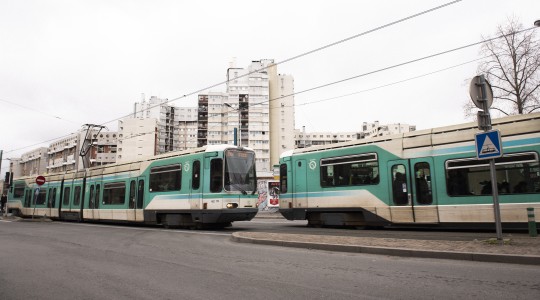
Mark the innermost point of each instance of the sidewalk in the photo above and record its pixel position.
(517, 248)
(520, 250)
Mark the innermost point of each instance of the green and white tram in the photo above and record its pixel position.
(428, 177)
(214, 185)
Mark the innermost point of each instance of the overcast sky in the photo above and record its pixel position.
(67, 63)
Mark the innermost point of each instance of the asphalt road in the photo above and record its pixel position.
(55, 260)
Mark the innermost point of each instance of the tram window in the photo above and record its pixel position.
(216, 175)
(140, 194)
(53, 200)
(77, 196)
(98, 195)
(132, 193)
(361, 169)
(91, 200)
(27, 198)
(41, 197)
(49, 199)
(517, 173)
(196, 175)
(423, 183)
(65, 202)
(18, 192)
(399, 185)
(166, 178)
(114, 193)
(283, 178)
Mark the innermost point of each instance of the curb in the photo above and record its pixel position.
(480, 257)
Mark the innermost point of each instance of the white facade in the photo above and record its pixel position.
(34, 162)
(187, 118)
(64, 154)
(375, 129)
(104, 147)
(137, 138)
(176, 127)
(245, 106)
(308, 139)
(305, 139)
(281, 114)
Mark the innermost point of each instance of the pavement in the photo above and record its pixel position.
(515, 248)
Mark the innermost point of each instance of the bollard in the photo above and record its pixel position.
(532, 223)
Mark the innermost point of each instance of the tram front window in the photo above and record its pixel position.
(240, 171)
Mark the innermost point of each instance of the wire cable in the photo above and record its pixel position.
(285, 61)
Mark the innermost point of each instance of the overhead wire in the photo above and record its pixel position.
(303, 54)
(39, 111)
(282, 62)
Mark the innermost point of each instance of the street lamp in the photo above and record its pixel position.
(236, 130)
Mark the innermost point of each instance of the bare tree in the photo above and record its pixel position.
(512, 67)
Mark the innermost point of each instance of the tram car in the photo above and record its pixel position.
(429, 177)
(214, 185)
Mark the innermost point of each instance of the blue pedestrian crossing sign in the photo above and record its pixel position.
(488, 144)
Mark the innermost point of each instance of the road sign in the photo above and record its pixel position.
(40, 180)
(488, 144)
(480, 91)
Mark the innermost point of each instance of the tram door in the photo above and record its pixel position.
(136, 199)
(300, 199)
(400, 192)
(411, 191)
(423, 190)
(195, 192)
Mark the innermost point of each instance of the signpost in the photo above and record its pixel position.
(488, 143)
(40, 180)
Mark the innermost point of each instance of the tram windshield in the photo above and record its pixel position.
(240, 171)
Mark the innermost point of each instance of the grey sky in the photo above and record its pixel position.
(67, 63)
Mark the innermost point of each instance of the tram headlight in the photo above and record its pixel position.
(232, 205)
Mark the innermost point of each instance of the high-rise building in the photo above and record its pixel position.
(164, 113)
(137, 138)
(281, 113)
(245, 108)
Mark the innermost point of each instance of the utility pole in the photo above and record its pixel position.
(482, 96)
(87, 144)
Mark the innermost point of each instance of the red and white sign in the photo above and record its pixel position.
(273, 194)
(40, 180)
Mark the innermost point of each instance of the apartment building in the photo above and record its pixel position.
(305, 139)
(33, 162)
(258, 106)
(375, 129)
(64, 154)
